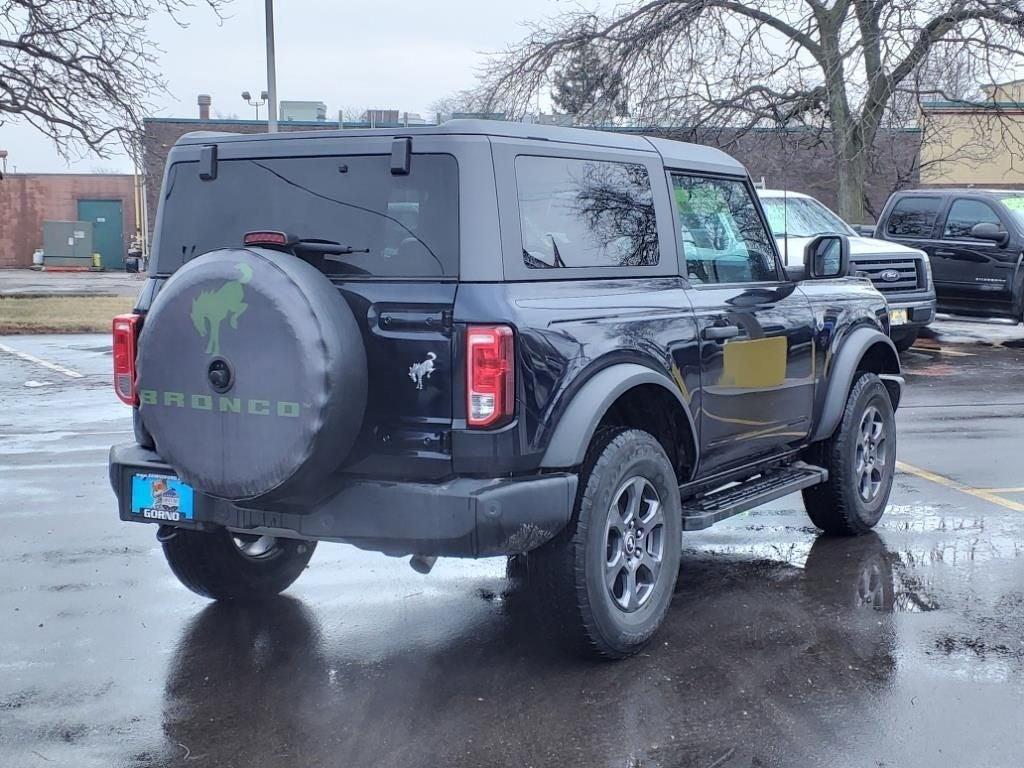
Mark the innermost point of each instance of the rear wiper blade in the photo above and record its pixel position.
(325, 248)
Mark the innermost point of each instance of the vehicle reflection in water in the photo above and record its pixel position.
(749, 640)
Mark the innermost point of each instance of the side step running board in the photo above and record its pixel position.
(703, 511)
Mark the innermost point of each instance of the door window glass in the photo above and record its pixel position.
(964, 214)
(585, 213)
(724, 237)
(913, 217)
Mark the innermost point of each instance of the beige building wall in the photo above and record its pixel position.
(979, 145)
(1006, 91)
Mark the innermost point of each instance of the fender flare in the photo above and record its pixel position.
(844, 367)
(576, 427)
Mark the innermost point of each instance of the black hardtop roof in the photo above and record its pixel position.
(674, 153)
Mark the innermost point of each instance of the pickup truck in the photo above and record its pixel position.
(974, 239)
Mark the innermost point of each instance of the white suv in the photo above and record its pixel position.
(903, 275)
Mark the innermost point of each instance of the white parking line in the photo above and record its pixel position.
(69, 432)
(38, 361)
(943, 351)
(69, 465)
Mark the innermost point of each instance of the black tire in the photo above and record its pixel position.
(904, 338)
(213, 565)
(853, 498)
(569, 573)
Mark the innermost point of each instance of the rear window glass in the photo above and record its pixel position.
(408, 224)
(913, 217)
(1015, 205)
(585, 213)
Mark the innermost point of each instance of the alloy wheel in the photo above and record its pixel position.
(634, 544)
(870, 461)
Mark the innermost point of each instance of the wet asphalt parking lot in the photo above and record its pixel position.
(904, 648)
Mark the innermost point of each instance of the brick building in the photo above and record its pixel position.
(804, 164)
(29, 199)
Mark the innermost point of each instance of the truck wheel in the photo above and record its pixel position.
(608, 578)
(229, 566)
(861, 461)
(904, 339)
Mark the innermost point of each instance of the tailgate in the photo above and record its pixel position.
(408, 340)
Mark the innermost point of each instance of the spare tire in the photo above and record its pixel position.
(251, 375)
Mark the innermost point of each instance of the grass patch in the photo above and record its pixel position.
(61, 314)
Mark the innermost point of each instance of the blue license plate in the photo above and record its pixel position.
(162, 497)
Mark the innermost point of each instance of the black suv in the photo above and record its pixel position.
(487, 339)
(974, 239)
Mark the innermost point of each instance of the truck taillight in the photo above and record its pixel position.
(126, 334)
(490, 372)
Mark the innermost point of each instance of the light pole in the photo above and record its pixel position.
(271, 69)
(247, 97)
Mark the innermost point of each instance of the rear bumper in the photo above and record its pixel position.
(461, 517)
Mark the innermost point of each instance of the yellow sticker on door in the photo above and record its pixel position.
(754, 363)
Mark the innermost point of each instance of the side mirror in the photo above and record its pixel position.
(986, 230)
(827, 256)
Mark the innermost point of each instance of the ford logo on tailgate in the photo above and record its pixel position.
(890, 275)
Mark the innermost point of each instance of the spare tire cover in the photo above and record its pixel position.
(251, 374)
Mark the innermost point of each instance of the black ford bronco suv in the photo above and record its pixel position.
(482, 338)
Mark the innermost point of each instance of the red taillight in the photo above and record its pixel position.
(490, 369)
(126, 333)
(265, 238)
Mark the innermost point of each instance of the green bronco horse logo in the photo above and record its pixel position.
(211, 308)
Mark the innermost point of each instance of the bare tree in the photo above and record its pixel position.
(589, 87)
(353, 113)
(453, 103)
(82, 71)
(834, 68)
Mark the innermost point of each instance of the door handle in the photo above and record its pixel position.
(945, 253)
(713, 332)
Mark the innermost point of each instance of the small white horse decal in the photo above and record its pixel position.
(420, 371)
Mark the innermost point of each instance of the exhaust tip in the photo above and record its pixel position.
(165, 533)
(422, 563)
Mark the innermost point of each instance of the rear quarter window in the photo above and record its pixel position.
(913, 217)
(585, 213)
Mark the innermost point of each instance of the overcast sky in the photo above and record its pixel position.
(398, 54)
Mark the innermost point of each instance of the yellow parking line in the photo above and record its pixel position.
(979, 493)
(1018, 489)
